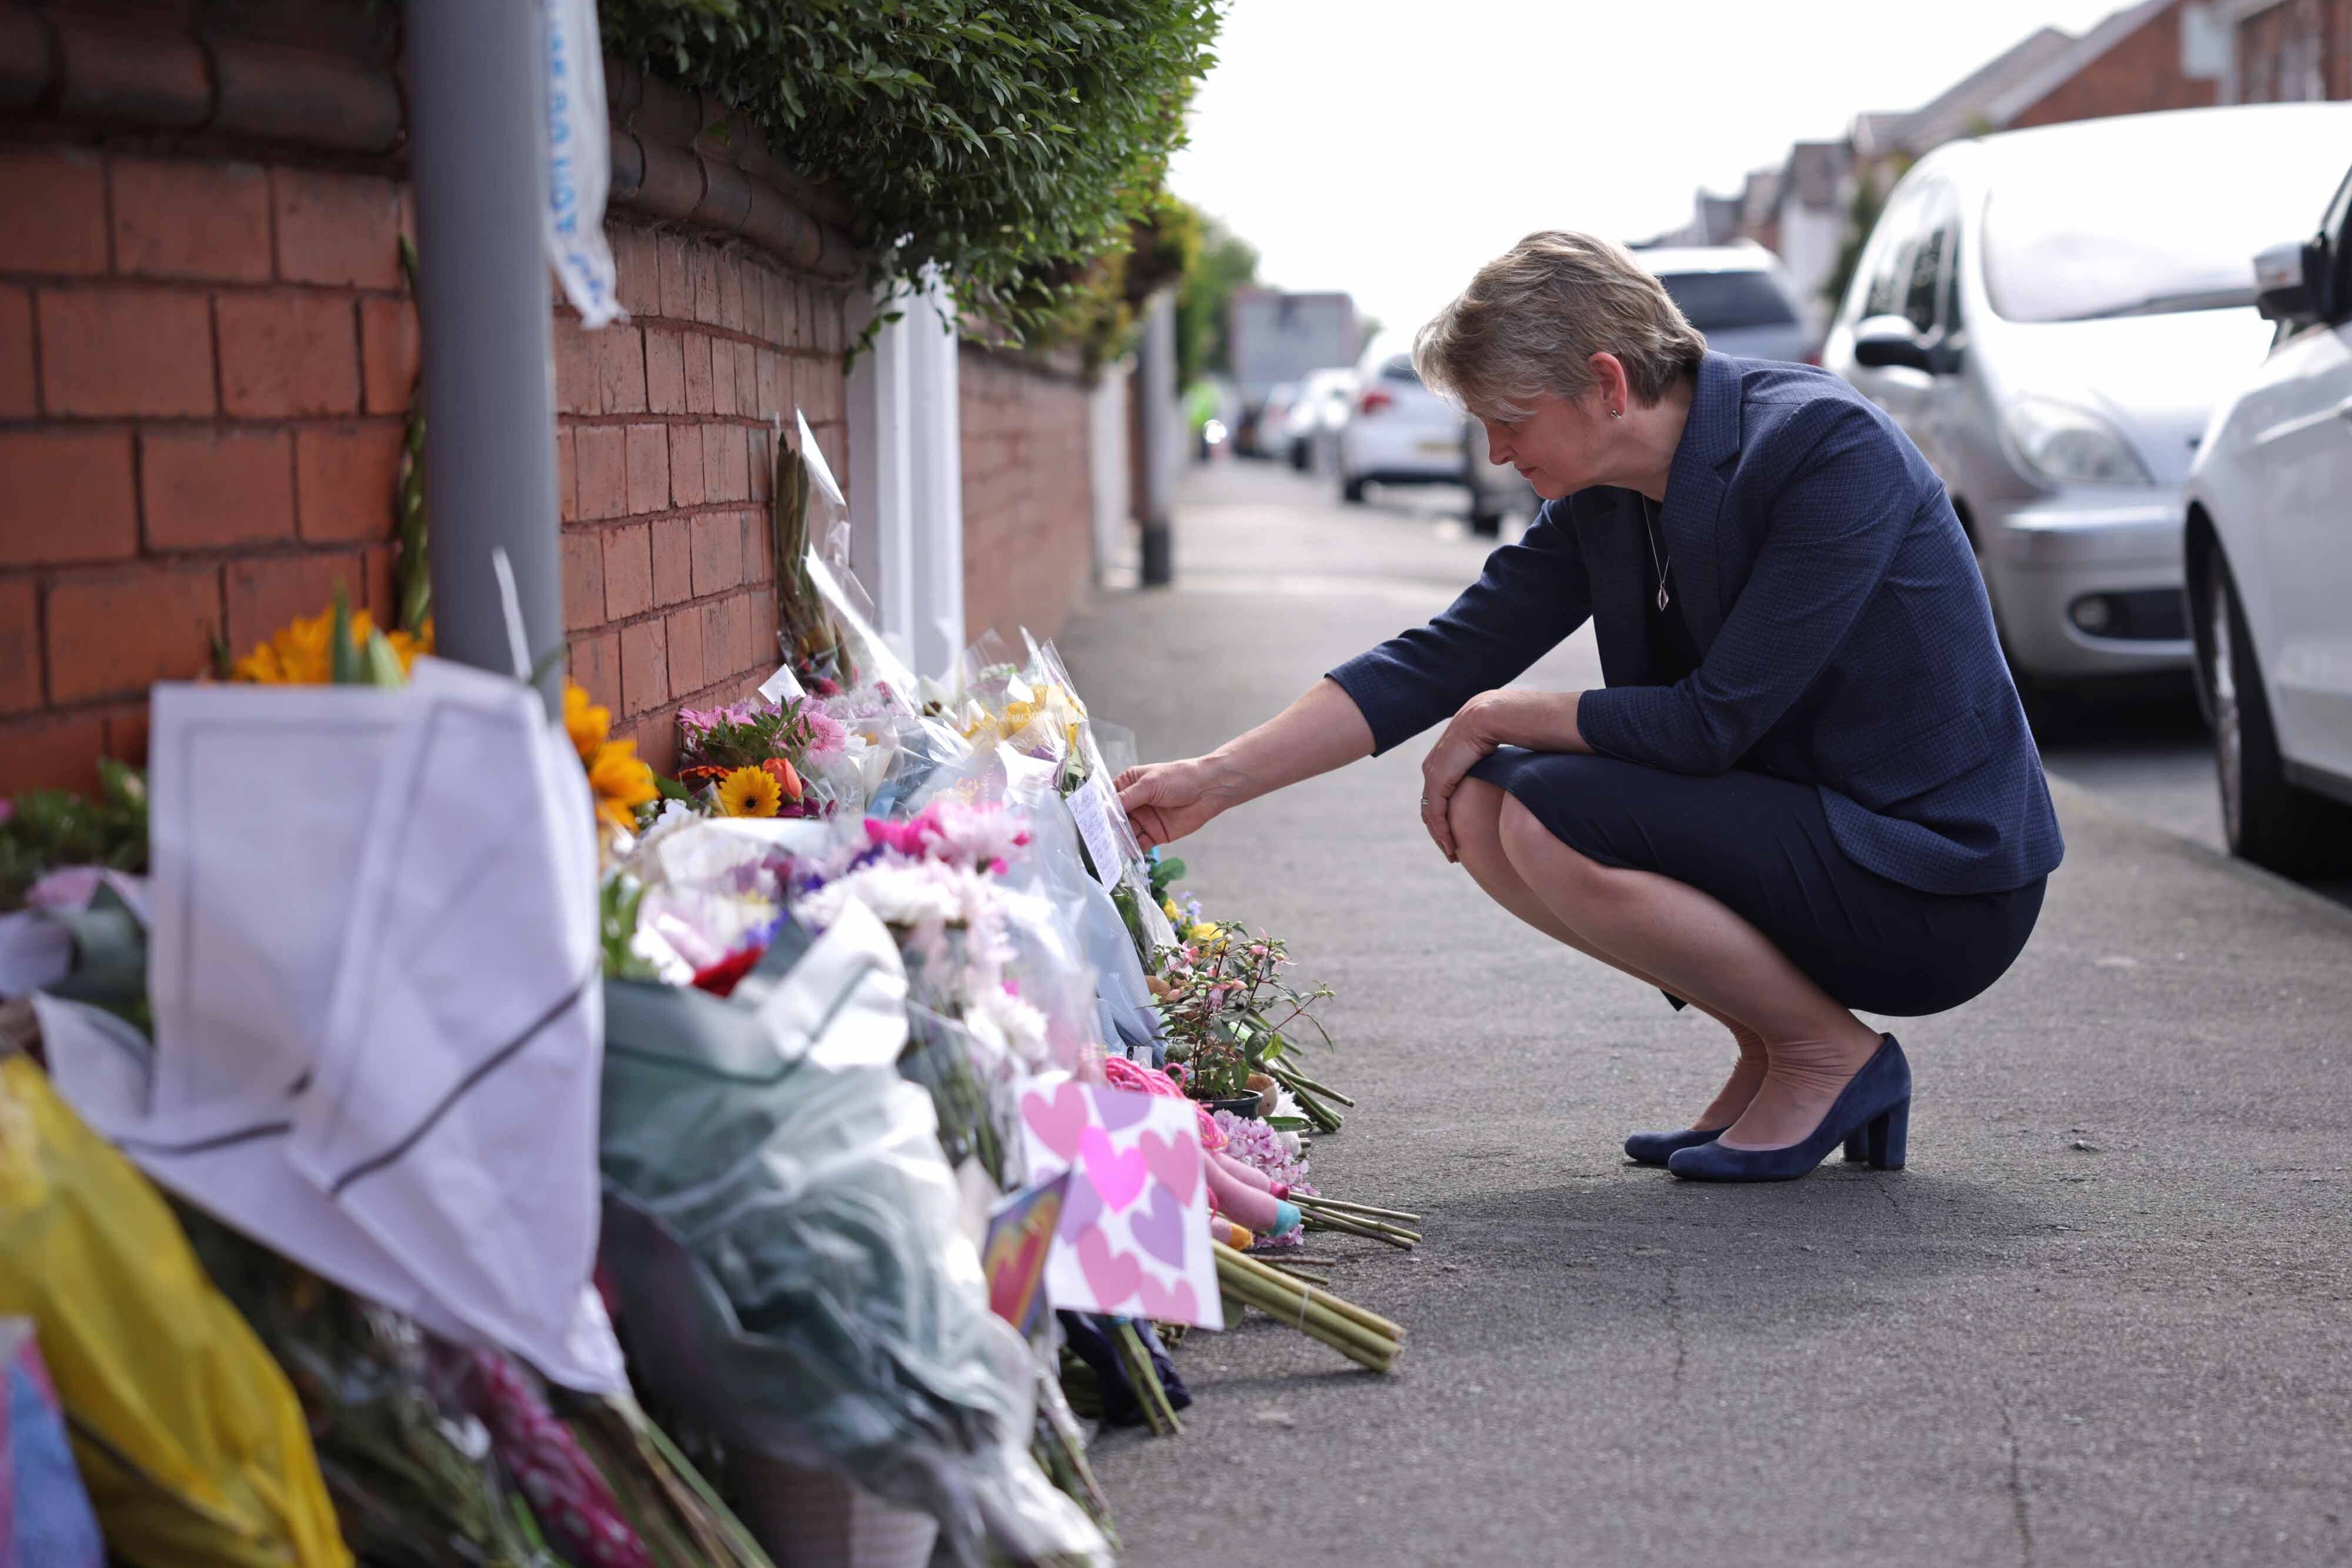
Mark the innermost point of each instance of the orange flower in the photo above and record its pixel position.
(787, 780)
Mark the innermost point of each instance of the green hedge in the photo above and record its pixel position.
(1009, 142)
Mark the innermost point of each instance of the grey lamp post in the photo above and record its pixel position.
(478, 150)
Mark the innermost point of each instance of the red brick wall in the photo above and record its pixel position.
(203, 363)
(664, 447)
(1028, 498)
(2140, 74)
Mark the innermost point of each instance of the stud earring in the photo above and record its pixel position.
(1616, 413)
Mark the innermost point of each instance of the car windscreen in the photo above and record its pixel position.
(2075, 241)
(1721, 301)
(1398, 367)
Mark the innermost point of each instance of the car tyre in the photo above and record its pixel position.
(1485, 524)
(1301, 460)
(2266, 818)
(1352, 489)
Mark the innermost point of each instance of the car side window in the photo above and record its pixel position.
(1952, 309)
(2337, 229)
(1930, 258)
(1889, 258)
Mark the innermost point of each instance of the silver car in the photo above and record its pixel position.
(2052, 315)
(1737, 294)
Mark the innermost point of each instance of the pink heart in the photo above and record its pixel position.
(1058, 1122)
(1161, 1231)
(1111, 1276)
(1118, 1109)
(1162, 1304)
(1117, 1175)
(1175, 1160)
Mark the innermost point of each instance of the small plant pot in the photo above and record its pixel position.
(1239, 1104)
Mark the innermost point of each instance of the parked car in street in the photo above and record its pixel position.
(1738, 295)
(2268, 552)
(1268, 434)
(1398, 432)
(1324, 399)
(2051, 315)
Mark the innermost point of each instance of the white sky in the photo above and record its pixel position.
(1388, 147)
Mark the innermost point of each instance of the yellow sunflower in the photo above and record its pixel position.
(750, 793)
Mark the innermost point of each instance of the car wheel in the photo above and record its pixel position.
(1352, 489)
(2265, 819)
(1486, 525)
(1301, 460)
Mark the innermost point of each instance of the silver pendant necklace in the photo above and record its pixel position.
(1650, 532)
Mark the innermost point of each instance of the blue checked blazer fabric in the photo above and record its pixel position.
(1845, 637)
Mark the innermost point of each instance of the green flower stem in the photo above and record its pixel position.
(1243, 1264)
(1398, 1215)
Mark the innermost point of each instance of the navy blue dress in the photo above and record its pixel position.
(1818, 728)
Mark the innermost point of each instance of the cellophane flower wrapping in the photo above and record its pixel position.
(783, 1230)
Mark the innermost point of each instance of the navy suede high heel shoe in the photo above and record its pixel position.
(1871, 1116)
(1655, 1148)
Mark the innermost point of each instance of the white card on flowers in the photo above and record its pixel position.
(1091, 805)
(1134, 1235)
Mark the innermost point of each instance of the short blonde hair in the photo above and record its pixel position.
(1533, 316)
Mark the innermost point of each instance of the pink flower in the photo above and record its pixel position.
(827, 735)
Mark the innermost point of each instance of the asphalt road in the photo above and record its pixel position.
(2103, 1317)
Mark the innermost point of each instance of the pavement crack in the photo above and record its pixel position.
(1675, 1327)
(2016, 1479)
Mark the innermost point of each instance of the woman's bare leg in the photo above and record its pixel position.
(1474, 814)
(1677, 938)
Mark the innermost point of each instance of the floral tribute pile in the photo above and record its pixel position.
(868, 912)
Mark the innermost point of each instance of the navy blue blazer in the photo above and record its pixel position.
(1845, 637)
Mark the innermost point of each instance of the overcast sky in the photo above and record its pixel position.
(1387, 147)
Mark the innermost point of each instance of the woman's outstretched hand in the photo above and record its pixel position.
(1166, 801)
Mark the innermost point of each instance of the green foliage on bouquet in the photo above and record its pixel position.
(45, 828)
(1228, 1010)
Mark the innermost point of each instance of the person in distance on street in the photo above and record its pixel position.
(1807, 787)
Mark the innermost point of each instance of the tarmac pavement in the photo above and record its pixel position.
(2103, 1317)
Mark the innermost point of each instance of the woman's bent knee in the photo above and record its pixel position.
(1472, 814)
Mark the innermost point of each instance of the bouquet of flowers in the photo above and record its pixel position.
(752, 759)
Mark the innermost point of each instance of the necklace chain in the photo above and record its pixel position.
(1649, 533)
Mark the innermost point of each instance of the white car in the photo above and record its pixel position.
(1399, 431)
(1317, 417)
(2051, 316)
(2268, 552)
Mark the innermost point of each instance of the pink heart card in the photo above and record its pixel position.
(1133, 1233)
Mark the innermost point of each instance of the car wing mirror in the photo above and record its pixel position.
(2291, 281)
(1882, 341)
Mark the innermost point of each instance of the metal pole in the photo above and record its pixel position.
(478, 150)
(1163, 436)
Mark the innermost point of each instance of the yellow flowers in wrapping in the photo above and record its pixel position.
(301, 653)
(620, 781)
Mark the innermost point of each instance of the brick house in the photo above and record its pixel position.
(2286, 51)
(207, 352)
(2153, 55)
